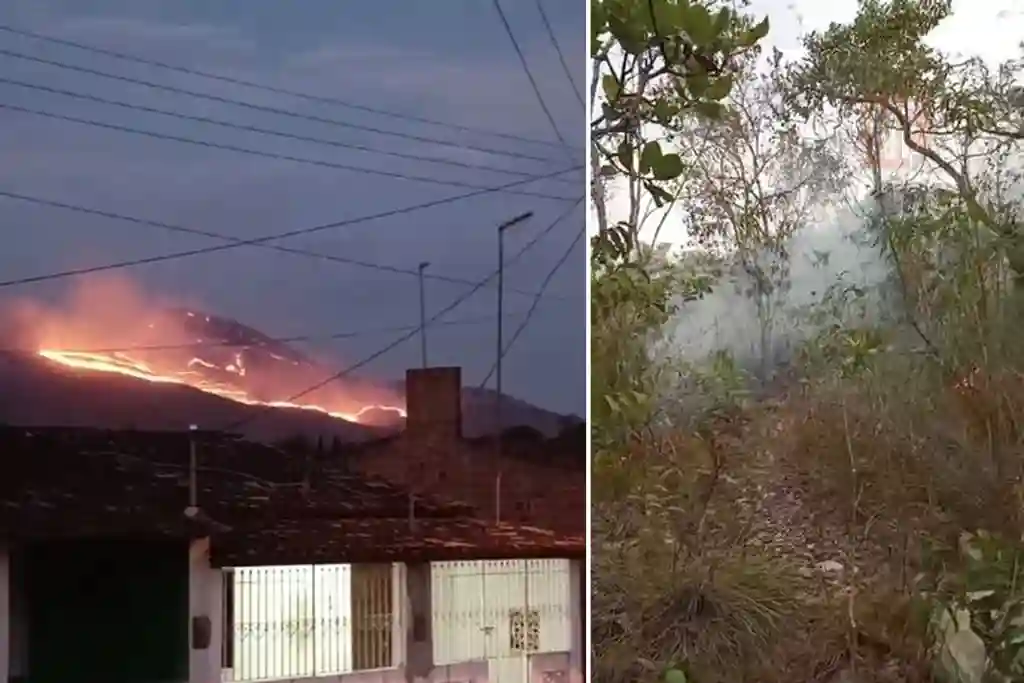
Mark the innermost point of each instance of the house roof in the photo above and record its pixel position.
(391, 540)
(567, 450)
(69, 482)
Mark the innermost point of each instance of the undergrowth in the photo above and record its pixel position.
(907, 472)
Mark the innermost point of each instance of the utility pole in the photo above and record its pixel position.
(423, 315)
(501, 352)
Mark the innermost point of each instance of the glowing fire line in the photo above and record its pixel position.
(118, 363)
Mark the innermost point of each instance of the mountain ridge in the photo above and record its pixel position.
(38, 392)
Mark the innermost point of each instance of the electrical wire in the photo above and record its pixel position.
(256, 152)
(269, 238)
(265, 108)
(409, 335)
(533, 307)
(267, 88)
(348, 334)
(529, 74)
(170, 227)
(255, 129)
(558, 50)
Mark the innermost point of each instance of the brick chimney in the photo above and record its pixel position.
(433, 401)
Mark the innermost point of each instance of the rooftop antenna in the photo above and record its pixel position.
(193, 488)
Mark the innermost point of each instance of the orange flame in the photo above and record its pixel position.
(108, 326)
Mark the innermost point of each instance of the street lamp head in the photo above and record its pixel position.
(515, 221)
(424, 265)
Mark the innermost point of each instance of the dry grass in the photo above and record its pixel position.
(710, 561)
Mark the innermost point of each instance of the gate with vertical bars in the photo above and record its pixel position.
(305, 621)
(501, 611)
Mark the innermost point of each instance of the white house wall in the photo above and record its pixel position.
(205, 597)
(206, 600)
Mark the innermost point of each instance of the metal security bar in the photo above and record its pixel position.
(500, 611)
(305, 621)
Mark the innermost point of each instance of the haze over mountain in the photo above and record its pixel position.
(107, 388)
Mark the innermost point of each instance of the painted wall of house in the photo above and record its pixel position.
(205, 586)
(206, 600)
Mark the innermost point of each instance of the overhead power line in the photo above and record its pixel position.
(347, 334)
(529, 74)
(268, 88)
(409, 335)
(259, 153)
(255, 129)
(268, 109)
(558, 50)
(270, 238)
(533, 307)
(171, 227)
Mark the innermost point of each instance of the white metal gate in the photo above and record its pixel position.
(500, 611)
(306, 621)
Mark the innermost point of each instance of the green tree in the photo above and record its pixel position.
(961, 117)
(655, 62)
(753, 182)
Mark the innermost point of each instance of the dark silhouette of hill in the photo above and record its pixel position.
(34, 392)
(479, 417)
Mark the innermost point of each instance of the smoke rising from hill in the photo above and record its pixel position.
(833, 252)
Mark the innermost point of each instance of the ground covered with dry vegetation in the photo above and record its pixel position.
(855, 516)
(810, 536)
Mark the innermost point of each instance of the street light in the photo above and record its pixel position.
(501, 352)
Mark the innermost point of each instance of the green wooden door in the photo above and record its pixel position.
(108, 611)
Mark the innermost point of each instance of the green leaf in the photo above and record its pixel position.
(697, 83)
(759, 31)
(608, 171)
(629, 34)
(720, 88)
(698, 25)
(666, 17)
(625, 154)
(722, 20)
(660, 195)
(598, 15)
(664, 110)
(711, 110)
(610, 86)
(649, 156)
(669, 166)
(598, 24)
(675, 676)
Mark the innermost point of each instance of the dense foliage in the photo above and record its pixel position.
(859, 514)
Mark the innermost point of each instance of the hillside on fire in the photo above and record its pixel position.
(107, 358)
